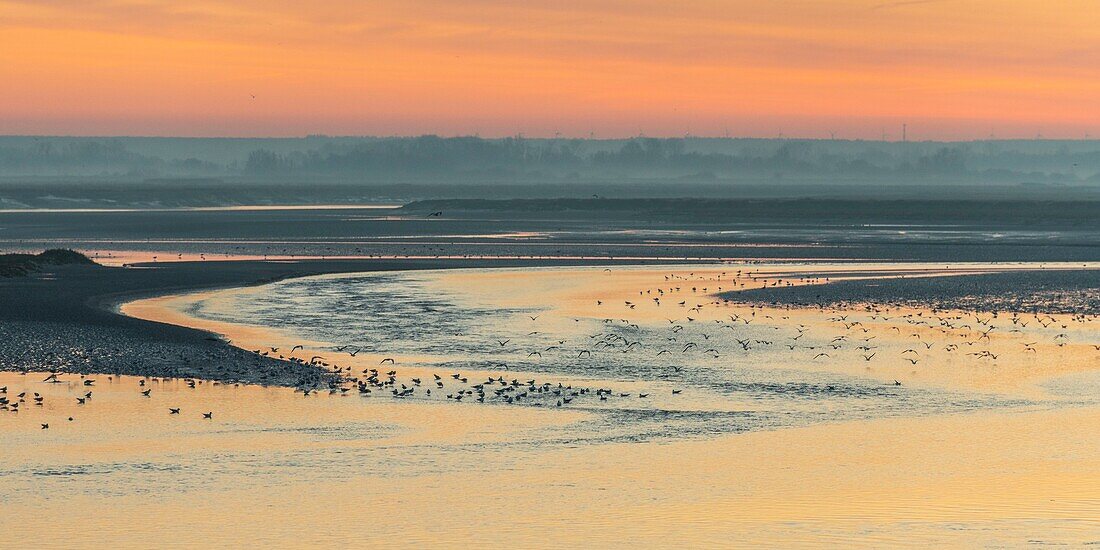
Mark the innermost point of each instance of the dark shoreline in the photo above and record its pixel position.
(1052, 291)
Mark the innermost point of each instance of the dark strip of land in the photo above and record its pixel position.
(1038, 291)
(1078, 214)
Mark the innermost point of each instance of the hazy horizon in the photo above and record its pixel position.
(433, 159)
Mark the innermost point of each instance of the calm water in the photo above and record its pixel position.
(329, 231)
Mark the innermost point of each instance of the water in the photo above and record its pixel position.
(331, 232)
(766, 445)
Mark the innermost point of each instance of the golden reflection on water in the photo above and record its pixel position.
(572, 294)
(626, 293)
(274, 467)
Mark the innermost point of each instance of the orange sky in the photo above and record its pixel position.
(951, 69)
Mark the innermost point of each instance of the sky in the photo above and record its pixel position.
(947, 69)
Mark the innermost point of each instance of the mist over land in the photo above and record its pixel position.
(116, 172)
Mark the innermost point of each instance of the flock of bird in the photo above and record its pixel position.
(697, 327)
(82, 397)
(706, 328)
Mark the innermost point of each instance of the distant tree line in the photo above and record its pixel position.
(442, 159)
(435, 155)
